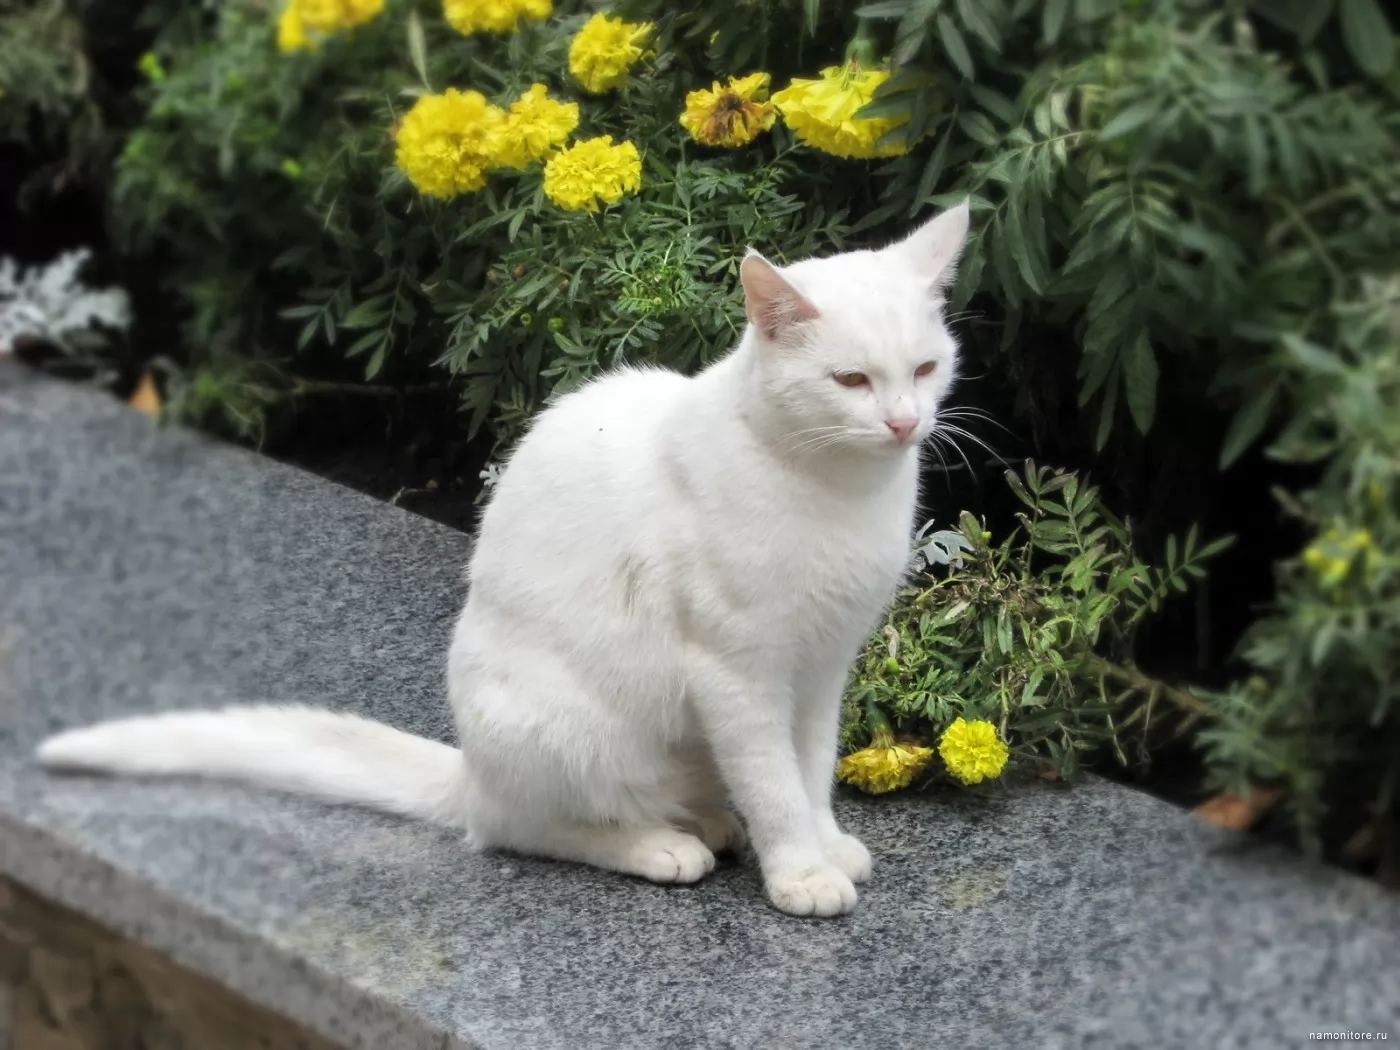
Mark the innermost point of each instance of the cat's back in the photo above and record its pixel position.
(602, 434)
(614, 409)
(586, 467)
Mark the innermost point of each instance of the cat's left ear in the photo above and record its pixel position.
(932, 250)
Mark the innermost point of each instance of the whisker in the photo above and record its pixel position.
(817, 430)
(950, 428)
(943, 466)
(956, 448)
(970, 412)
(810, 434)
(821, 433)
(821, 437)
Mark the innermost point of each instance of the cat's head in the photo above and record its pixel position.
(851, 351)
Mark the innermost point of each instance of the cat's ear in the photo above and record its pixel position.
(772, 304)
(932, 250)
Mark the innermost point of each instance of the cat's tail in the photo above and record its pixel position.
(328, 756)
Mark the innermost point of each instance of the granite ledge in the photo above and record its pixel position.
(146, 568)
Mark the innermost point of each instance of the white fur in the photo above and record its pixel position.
(670, 583)
(296, 749)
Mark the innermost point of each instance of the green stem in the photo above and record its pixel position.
(876, 722)
(301, 386)
(1136, 680)
(860, 52)
(1315, 242)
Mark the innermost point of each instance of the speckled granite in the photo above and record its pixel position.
(145, 569)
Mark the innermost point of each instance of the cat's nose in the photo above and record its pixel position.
(902, 428)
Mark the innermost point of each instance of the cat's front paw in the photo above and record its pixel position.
(850, 855)
(821, 891)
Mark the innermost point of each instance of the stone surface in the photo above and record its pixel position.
(74, 985)
(145, 569)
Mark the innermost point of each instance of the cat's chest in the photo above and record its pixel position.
(826, 560)
(841, 563)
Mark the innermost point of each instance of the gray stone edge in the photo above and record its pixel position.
(246, 964)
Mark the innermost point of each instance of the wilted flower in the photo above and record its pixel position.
(885, 765)
(729, 116)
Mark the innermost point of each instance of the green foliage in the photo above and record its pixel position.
(46, 103)
(265, 174)
(1323, 709)
(1034, 634)
(228, 395)
(1149, 181)
(1158, 182)
(65, 71)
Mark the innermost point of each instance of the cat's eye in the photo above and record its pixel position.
(852, 379)
(926, 369)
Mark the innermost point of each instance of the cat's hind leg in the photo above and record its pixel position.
(557, 769)
(704, 808)
(718, 828)
(659, 854)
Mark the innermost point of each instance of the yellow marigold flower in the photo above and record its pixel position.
(358, 12)
(729, 116)
(493, 16)
(822, 112)
(883, 766)
(604, 50)
(1330, 569)
(304, 22)
(446, 142)
(1332, 555)
(591, 171)
(534, 126)
(327, 16)
(291, 33)
(972, 751)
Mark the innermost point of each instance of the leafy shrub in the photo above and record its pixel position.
(44, 87)
(265, 175)
(1322, 712)
(66, 67)
(1034, 634)
(1155, 184)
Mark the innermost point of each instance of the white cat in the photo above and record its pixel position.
(671, 581)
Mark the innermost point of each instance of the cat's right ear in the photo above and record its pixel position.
(772, 304)
(931, 252)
